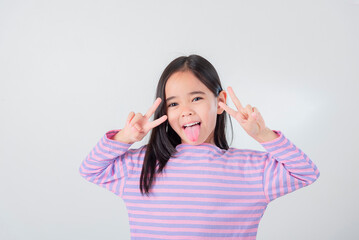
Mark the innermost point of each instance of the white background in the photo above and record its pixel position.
(72, 70)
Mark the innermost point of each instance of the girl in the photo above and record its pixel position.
(187, 183)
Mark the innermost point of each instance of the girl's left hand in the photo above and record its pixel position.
(249, 117)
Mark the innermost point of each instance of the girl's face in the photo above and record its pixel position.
(189, 101)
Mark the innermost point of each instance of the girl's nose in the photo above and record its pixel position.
(187, 113)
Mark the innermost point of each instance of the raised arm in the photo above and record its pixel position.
(287, 168)
(110, 161)
(106, 164)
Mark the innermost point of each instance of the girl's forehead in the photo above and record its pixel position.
(180, 82)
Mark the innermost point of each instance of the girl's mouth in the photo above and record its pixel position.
(191, 124)
(192, 131)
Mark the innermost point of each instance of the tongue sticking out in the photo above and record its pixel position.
(192, 132)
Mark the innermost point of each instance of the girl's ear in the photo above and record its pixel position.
(222, 97)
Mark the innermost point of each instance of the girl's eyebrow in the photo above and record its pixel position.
(191, 93)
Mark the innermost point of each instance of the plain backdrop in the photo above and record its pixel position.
(72, 70)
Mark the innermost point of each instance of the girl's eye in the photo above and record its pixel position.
(172, 105)
(175, 104)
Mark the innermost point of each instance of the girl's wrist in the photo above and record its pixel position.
(266, 135)
(119, 137)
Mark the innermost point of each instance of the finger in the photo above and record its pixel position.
(228, 109)
(234, 98)
(153, 108)
(156, 122)
(135, 119)
(248, 111)
(130, 117)
(255, 113)
(249, 108)
(138, 127)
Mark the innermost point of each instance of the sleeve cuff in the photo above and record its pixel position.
(269, 144)
(280, 147)
(113, 144)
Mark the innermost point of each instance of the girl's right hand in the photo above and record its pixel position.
(137, 126)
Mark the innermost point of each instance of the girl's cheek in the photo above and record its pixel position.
(171, 118)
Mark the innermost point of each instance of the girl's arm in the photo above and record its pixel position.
(110, 161)
(286, 168)
(107, 165)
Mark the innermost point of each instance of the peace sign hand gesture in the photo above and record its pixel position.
(249, 118)
(138, 125)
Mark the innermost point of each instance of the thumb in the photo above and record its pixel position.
(130, 117)
(254, 115)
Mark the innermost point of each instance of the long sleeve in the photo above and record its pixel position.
(106, 164)
(286, 169)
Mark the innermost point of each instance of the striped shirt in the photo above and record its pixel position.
(204, 192)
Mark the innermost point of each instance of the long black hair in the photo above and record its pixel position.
(164, 139)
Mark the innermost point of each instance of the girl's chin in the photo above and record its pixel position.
(187, 141)
(198, 142)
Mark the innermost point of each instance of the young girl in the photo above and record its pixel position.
(187, 183)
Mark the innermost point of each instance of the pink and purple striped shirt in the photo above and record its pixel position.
(204, 192)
